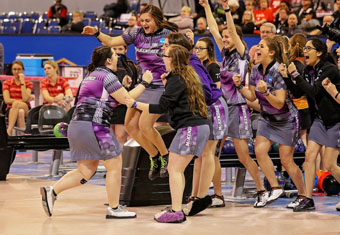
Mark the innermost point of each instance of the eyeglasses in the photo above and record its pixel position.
(308, 48)
(200, 48)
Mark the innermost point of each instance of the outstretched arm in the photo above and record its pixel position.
(212, 23)
(232, 29)
(103, 38)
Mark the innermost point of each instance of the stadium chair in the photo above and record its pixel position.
(53, 22)
(39, 25)
(90, 14)
(86, 21)
(24, 15)
(35, 15)
(44, 16)
(12, 16)
(3, 16)
(6, 23)
(43, 30)
(27, 26)
(17, 25)
(96, 23)
(49, 116)
(106, 30)
(9, 29)
(54, 29)
(117, 31)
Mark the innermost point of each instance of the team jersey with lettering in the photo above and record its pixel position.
(95, 103)
(147, 47)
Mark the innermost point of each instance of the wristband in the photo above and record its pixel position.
(295, 74)
(226, 10)
(134, 105)
(22, 84)
(97, 34)
(336, 96)
(239, 87)
(145, 84)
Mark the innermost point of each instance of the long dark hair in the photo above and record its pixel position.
(157, 14)
(321, 46)
(180, 65)
(179, 39)
(99, 56)
(210, 48)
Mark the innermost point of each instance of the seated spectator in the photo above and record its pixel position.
(264, 14)
(55, 89)
(282, 21)
(77, 25)
(236, 11)
(336, 13)
(58, 11)
(202, 26)
(184, 21)
(267, 30)
(114, 10)
(283, 4)
(326, 20)
(17, 95)
(309, 23)
(301, 11)
(292, 28)
(248, 22)
(132, 23)
(250, 5)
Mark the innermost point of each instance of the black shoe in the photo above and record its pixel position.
(198, 205)
(163, 173)
(153, 172)
(307, 204)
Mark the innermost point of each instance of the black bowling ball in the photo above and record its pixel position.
(330, 185)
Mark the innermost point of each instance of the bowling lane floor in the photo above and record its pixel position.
(81, 210)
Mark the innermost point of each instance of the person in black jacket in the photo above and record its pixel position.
(127, 75)
(184, 100)
(325, 129)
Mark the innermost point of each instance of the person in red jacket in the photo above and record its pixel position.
(58, 11)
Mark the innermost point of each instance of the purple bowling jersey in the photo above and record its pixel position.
(95, 103)
(211, 92)
(233, 63)
(147, 47)
(274, 82)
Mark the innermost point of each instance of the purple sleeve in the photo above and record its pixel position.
(278, 82)
(252, 77)
(111, 83)
(130, 36)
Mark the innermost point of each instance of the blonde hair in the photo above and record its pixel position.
(54, 65)
(187, 9)
(252, 16)
(180, 65)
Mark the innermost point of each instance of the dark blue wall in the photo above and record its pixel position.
(76, 48)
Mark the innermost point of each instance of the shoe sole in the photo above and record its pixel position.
(217, 206)
(120, 217)
(305, 210)
(43, 193)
